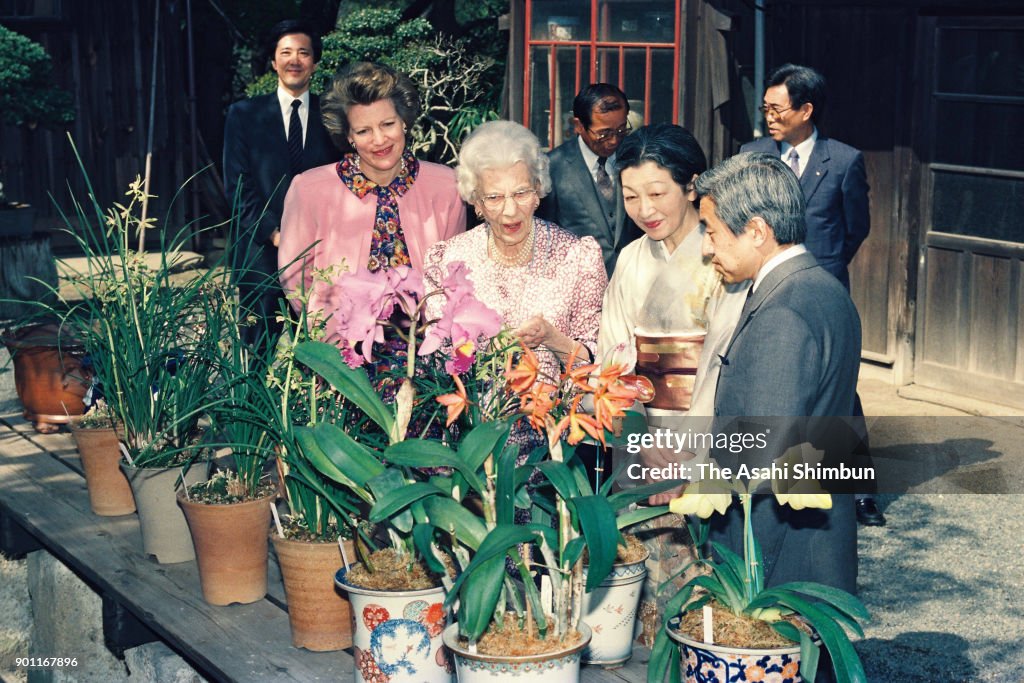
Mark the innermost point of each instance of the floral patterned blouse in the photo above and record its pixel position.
(564, 282)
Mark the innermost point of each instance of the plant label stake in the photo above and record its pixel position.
(124, 450)
(277, 520)
(344, 557)
(709, 629)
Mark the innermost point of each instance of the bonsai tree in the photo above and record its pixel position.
(29, 96)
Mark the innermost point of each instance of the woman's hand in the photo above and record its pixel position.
(537, 331)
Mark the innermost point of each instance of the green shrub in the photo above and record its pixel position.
(28, 95)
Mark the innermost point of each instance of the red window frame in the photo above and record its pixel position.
(595, 46)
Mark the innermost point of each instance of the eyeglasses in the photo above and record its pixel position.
(497, 201)
(773, 111)
(620, 133)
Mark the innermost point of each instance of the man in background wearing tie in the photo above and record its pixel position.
(834, 185)
(268, 140)
(584, 199)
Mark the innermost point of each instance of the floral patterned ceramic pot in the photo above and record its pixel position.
(610, 612)
(704, 663)
(561, 665)
(396, 635)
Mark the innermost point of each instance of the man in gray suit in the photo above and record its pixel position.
(795, 353)
(585, 199)
(835, 186)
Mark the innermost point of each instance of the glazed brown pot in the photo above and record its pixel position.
(48, 374)
(231, 548)
(320, 614)
(109, 492)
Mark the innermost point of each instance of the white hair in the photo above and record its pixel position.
(498, 145)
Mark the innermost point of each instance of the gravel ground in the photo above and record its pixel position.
(940, 580)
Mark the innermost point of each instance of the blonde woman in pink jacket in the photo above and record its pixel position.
(379, 207)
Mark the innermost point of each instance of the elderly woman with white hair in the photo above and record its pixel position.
(545, 282)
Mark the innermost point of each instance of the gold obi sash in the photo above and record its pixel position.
(670, 363)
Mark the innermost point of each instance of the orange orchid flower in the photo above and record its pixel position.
(456, 402)
(580, 376)
(580, 425)
(612, 397)
(537, 404)
(524, 375)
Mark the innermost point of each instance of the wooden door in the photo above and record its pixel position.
(970, 331)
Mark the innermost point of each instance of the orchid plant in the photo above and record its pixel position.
(738, 584)
(377, 309)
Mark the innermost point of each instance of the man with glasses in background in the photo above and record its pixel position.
(585, 196)
(834, 185)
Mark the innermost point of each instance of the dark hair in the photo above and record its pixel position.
(365, 83)
(803, 84)
(288, 27)
(753, 184)
(671, 147)
(604, 97)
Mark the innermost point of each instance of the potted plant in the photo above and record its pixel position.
(396, 589)
(96, 437)
(309, 541)
(229, 515)
(806, 615)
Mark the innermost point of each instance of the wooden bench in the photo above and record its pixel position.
(44, 505)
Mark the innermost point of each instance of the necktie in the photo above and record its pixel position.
(295, 139)
(604, 181)
(794, 161)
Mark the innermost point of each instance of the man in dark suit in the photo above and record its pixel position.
(585, 197)
(269, 139)
(795, 353)
(834, 184)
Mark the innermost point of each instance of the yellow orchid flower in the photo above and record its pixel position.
(799, 501)
(700, 504)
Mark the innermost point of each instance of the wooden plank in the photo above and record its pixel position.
(235, 643)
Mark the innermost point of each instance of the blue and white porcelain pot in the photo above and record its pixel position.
(396, 635)
(703, 662)
(560, 665)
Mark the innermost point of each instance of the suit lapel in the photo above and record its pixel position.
(765, 290)
(816, 169)
(584, 188)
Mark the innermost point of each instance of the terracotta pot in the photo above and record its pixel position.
(560, 665)
(610, 612)
(109, 492)
(706, 662)
(231, 548)
(398, 634)
(164, 530)
(48, 374)
(320, 615)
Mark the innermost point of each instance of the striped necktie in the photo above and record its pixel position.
(295, 139)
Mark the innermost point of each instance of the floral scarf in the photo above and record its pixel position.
(387, 246)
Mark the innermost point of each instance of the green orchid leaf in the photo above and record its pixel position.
(641, 493)
(840, 599)
(786, 630)
(423, 536)
(429, 453)
(810, 653)
(388, 482)
(346, 459)
(451, 517)
(639, 516)
(573, 550)
(845, 661)
(483, 440)
(597, 525)
(504, 491)
(497, 542)
(561, 478)
(325, 360)
(400, 498)
(478, 596)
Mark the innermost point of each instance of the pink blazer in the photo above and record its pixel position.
(318, 206)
